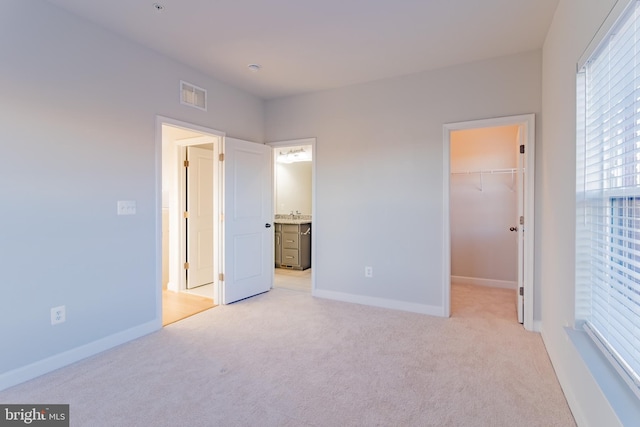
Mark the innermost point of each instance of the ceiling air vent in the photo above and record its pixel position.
(193, 96)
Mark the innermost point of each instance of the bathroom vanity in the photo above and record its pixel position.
(293, 244)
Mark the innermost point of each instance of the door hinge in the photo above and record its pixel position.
(221, 217)
(186, 214)
(186, 163)
(522, 149)
(521, 291)
(221, 157)
(186, 265)
(522, 220)
(221, 277)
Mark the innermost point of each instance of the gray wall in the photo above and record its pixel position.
(77, 128)
(379, 176)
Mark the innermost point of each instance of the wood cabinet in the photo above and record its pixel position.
(293, 246)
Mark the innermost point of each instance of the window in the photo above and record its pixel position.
(608, 196)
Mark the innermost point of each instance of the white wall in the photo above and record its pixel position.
(574, 25)
(293, 187)
(483, 207)
(379, 171)
(77, 129)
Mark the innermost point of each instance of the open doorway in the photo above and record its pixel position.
(294, 214)
(242, 213)
(489, 212)
(189, 232)
(483, 210)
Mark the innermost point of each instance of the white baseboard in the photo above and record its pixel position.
(41, 367)
(172, 286)
(504, 284)
(380, 302)
(537, 326)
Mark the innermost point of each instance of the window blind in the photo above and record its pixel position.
(608, 195)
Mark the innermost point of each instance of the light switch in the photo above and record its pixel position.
(126, 207)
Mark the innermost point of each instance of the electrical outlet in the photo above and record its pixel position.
(368, 271)
(126, 207)
(58, 315)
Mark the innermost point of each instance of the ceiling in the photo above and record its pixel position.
(306, 46)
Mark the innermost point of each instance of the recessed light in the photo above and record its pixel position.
(158, 7)
(254, 67)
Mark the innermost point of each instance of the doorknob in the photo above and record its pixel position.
(267, 225)
(513, 228)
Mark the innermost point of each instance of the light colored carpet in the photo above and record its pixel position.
(285, 358)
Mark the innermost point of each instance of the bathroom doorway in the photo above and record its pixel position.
(294, 214)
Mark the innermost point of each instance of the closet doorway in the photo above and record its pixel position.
(489, 194)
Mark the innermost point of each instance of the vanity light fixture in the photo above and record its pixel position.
(295, 154)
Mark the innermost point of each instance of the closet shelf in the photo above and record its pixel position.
(488, 171)
(512, 172)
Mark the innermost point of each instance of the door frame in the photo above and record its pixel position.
(314, 225)
(175, 154)
(527, 125)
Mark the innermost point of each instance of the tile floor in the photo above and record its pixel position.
(293, 279)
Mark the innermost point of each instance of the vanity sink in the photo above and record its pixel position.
(292, 221)
(292, 218)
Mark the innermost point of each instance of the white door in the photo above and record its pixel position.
(248, 213)
(199, 204)
(519, 226)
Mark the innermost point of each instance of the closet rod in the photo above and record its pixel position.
(488, 171)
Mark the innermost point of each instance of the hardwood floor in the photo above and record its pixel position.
(179, 305)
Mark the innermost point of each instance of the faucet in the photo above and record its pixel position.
(291, 213)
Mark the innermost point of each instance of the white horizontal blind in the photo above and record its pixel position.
(608, 186)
